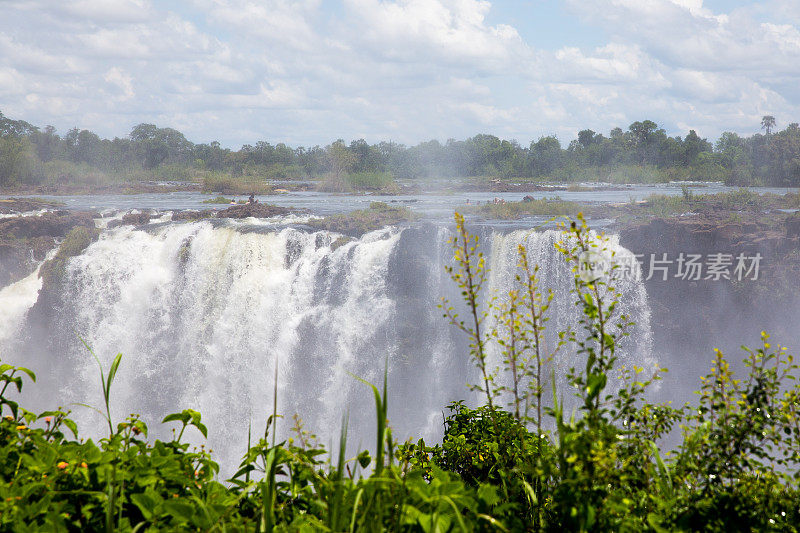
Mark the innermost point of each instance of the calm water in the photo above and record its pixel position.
(428, 205)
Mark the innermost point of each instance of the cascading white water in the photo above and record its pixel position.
(204, 313)
(555, 274)
(15, 301)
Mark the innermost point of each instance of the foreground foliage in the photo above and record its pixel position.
(604, 467)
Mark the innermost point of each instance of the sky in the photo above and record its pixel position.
(307, 72)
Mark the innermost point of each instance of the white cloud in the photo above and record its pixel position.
(122, 81)
(450, 30)
(12, 83)
(105, 10)
(308, 71)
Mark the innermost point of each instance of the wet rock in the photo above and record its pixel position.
(131, 219)
(52, 272)
(56, 224)
(193, 216)
(24, 241)
(704, 235)
(254, 210)
(236, 211)
(360, 221)
(792, 225)
(25, 205)
(341, 241)
(18, 257)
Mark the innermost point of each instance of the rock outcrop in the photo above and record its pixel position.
(131, 219)
(236, 211)
(25, 205)
(24, 241)
(701, 234)
(254, 210)
(691, 317)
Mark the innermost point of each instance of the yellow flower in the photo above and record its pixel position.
(22, 427)
(84, 465)
(62, 465)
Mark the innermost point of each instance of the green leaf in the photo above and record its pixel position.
(177, 417)
(364, 459)
(73, 427)
(13, 406)
(488, 494)
(146, 504)
(29, 372)
(595, 383)
(113, 371)
(180, 510)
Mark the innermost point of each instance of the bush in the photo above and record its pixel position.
(218, 182)
(381, 182)
(218, 200)
(537, 207)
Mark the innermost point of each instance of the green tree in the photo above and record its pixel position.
(17, 160)
(341, 159)
(767, 123)
(693, 146)
(545, 156)
(586, 138)
(642, 135)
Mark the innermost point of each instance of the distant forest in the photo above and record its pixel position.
(31, 156)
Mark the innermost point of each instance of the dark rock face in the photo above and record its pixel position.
(18, 258)
(705, 234)
(693, 317)
(24, 241)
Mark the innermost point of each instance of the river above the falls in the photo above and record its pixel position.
(429, 205)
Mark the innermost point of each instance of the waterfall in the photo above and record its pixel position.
(16, 300)
(205, 312)
(634, 349)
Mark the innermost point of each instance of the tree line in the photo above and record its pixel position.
(31, 155)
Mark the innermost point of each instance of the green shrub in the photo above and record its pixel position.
(372, 181)
(537, 207)
(76, 241)
(218, 182)
(361, 221)
(218, 200)
(381, 182)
